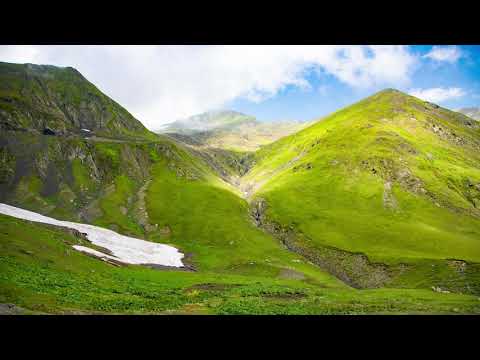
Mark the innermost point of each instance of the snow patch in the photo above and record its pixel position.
(93, 252)
(124, 248)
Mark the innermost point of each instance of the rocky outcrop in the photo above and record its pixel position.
(48, 131)
(389, 201)
(393, 172)
(11, 309)
(448, 135)
(71, 172)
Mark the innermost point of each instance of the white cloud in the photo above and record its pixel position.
(159, 84)
(438, 95)
(444, 53)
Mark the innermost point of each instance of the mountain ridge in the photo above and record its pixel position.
(60, 101)
(365, 175)
(229, 130)
(209, 120)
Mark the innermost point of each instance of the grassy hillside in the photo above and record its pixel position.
(72, 178)
(152, 190)
(36, 97)
(41, 273)
(387, 189)
(391, 177)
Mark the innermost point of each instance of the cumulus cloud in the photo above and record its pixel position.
(160, 84)
(438, 95)
(449, 54)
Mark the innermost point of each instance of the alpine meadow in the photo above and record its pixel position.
(373, 208)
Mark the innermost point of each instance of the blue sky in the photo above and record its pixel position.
(161, 84)
(327, 93)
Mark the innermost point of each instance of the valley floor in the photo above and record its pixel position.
(41, 273)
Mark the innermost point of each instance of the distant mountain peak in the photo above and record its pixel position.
(391, 90)
(225, 112)
(229, 129)
(210, 120)
(473, 112)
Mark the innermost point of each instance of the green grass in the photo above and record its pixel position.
(352, 217)
(40, 271)
(81, 175)
(212, 223)
(22, 85)
(339, 202)
(116, 206)
(318, 182)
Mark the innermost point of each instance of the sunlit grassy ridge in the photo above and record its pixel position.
(376, 178)
(184, 204)
(213, 224)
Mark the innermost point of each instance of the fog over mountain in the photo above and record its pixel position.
(230, 130)
(473, 112)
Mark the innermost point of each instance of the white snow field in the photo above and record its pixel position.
(124, 249)
(93, 252)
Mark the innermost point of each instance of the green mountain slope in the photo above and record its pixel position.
(391, 177)
(149, 187)
(83, 179)
(39, 97)
(152, 190)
